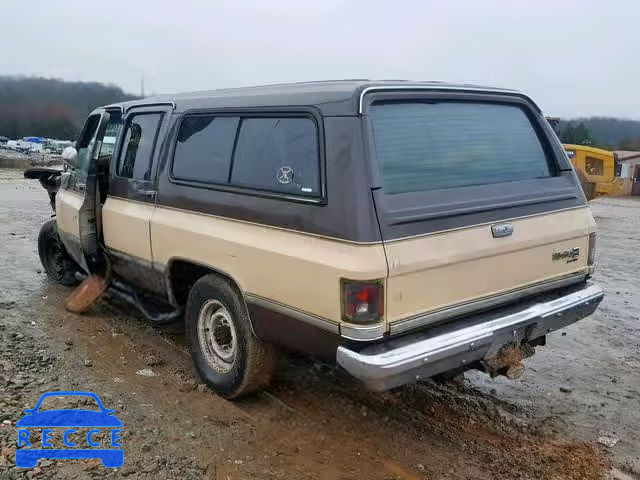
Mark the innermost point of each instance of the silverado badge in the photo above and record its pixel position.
(570, 255)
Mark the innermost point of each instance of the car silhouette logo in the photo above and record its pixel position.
(69, 419)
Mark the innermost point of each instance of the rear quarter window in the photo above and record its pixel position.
(278, 154)
(423, 146)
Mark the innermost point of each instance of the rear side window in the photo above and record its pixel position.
(138, 146)
(204, 148)
(423, 146)
(278, 154)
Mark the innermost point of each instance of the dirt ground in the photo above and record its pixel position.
(314, 422)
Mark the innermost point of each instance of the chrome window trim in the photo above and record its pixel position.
(421, 320)
(435, 87)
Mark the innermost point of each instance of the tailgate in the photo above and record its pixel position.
(433, 273)
(477, 204)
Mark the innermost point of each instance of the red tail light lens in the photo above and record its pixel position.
(362, 302)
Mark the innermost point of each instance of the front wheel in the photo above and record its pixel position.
(58, 264)
(226, 352)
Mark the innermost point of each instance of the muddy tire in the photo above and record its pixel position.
(56, 261)
(226, 353)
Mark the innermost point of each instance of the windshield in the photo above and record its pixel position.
(424, 146)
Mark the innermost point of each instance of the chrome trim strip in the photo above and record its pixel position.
(293, 313)
(362, 333)
(403, 360)
(264, 225)
(429, 318)
(434, 87)
(345, 330)
(342, 240)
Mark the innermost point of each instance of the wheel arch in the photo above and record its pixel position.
(189, 272)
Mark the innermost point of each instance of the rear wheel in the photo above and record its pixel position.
(58, 264)
(226, 352)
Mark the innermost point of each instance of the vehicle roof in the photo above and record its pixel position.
(332, 97)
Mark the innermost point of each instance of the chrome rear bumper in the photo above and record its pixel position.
(398, 361)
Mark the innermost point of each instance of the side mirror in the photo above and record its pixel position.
(70, 156)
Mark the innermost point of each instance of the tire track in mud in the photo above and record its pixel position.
(315, 419)
(265, 411)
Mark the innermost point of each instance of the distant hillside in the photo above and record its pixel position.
(50, 108)
(606, 132)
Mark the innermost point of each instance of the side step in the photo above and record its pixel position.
(124, 292)
(147, 308)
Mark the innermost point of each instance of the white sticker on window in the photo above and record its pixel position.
(284, 175)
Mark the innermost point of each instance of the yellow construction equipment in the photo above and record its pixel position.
(598, 169)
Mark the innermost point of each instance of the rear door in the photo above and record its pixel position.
(475, 203)
(132, 185)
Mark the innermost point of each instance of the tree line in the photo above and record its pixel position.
(601, 132)
(43, 107)
(52, 108)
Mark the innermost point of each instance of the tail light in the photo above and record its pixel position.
(362, 302)
(591, 257)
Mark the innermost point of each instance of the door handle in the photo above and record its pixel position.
(150, 194)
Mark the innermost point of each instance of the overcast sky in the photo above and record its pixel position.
(574, 57)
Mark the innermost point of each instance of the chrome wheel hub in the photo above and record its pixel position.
(217, 336)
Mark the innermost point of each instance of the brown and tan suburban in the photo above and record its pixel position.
(401, 229)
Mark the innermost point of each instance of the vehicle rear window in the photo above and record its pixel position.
(278, 154)
(204, 148)
(424, 146)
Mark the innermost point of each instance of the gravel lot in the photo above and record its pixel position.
(314, 422)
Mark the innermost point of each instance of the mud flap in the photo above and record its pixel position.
(86, 294)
